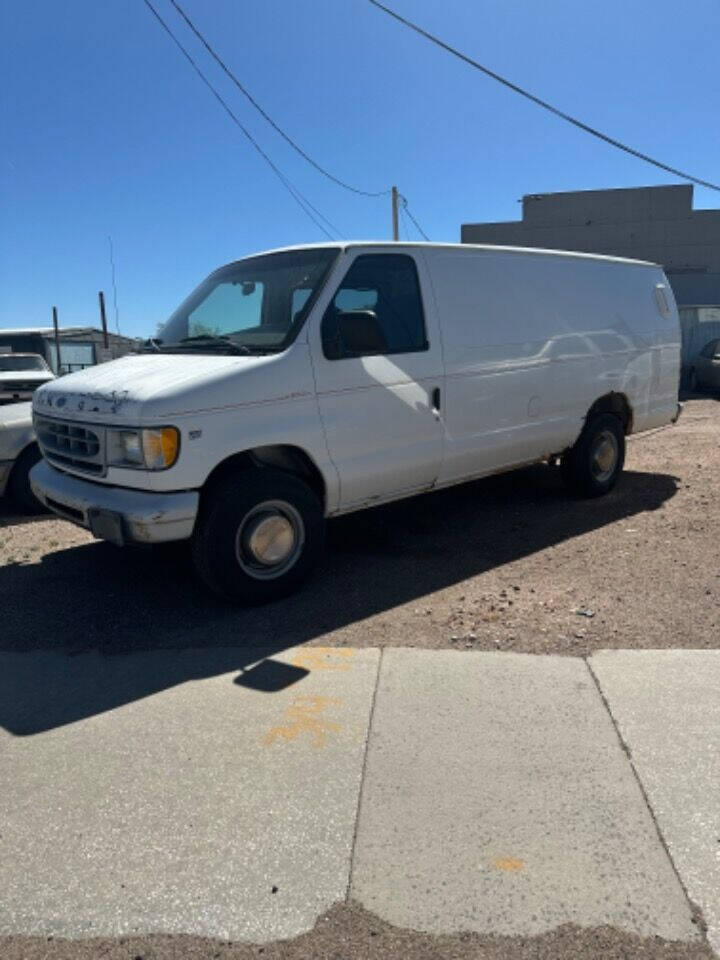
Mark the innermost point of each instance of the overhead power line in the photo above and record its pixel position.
(541, 103)
(403, 225)
(406, 208)
(263, 113)
(310, 211)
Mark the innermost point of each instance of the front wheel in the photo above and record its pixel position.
(592, 466)
(259, 536)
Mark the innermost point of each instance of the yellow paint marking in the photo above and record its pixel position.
(508, 863)
(323, 658)
(303, 716)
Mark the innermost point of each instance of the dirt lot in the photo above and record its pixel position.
(506, 563)
(347, 932)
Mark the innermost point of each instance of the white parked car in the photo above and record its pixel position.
(309, 382)
(18, 454)
(21, 374)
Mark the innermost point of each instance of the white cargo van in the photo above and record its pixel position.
(308, 382)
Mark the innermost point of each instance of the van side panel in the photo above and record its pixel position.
(531, 340)
(656, 394)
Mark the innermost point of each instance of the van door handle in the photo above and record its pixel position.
(436, 400)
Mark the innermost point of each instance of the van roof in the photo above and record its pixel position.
(398, 244)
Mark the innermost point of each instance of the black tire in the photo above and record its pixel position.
(19, 482)
(592, 466)
(261, 511)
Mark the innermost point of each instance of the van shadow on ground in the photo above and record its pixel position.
(12, 515)
(101, 599)
(701, 393)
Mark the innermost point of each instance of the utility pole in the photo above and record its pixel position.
(57, 339)
(396, 232)
(103, 318)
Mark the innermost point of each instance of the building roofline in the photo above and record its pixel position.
(605, 190)
(61, 330)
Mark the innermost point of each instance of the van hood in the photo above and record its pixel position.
(152, 387)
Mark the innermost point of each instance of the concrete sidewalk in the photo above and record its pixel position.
(443, 790)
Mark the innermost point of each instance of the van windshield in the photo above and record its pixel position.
(255, 305)
(17, 363)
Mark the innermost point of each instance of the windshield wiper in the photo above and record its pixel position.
(209, 339)
(201, 342)
(195, 344)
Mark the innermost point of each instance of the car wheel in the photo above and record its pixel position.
(19, 482)
(592, 466)
(259, 536)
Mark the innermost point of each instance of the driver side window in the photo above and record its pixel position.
(376, 310)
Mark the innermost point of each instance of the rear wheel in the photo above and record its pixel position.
(259, 536)
(19, 482)
(592, 466)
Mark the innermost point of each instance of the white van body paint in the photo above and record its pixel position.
(521, 343)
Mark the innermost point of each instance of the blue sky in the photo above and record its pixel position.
(105, 129)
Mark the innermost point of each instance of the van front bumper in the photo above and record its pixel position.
(117, 514)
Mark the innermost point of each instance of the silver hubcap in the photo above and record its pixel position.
(270, 539)
(605, 456)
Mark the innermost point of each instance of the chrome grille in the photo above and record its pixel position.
(74, 445)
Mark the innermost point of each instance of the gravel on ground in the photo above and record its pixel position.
(347, 932)
(505, 563)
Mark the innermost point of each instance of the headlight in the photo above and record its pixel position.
(130, 446)
(152, 449)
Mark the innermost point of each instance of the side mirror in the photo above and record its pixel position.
(352, 333)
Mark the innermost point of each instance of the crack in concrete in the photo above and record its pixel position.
(696, 913)
(363, 771)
